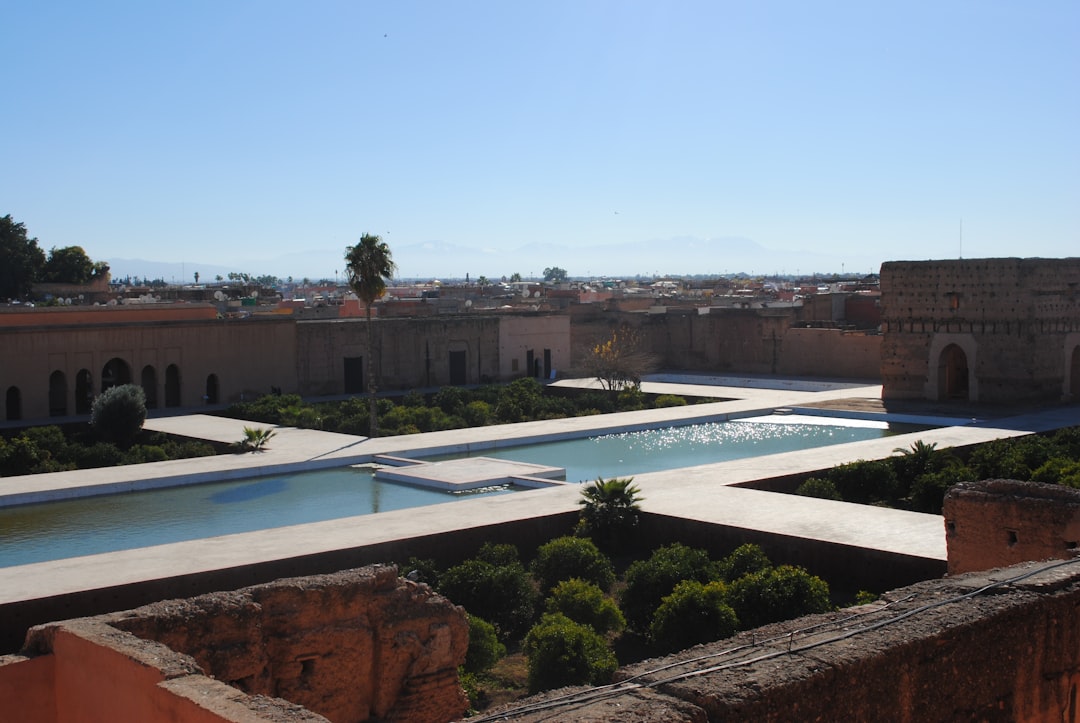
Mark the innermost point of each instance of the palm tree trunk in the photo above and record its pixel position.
(373, 419)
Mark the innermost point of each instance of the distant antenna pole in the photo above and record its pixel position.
(961, 238)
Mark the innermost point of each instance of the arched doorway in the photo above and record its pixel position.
(58, 394)
(84, 391)
(211, 389)
(115, 372)
(13, 404)
(172, 386)
(953, 374)
(148, 382)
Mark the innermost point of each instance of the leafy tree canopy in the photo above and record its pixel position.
(554, 273)
(21, 259)
(71, 265)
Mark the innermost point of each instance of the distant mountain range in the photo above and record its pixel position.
(438, 259)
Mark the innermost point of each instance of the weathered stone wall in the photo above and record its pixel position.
(350, 646)
(413, 352)
(245, 356)
(1011, 316)
(940, 650)
(994, 523)
(745, 341)
(358, 645)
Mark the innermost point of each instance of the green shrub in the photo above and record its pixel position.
(630, 399)
(500, 593)
(118, 413)
(143, 453)
(693, 613)
(414, 399)
(648, 581)
(779, 593)
(585, 603)
(744, 560)
(865, 481)
(20, 456)
(478, 414)
(1011, 458)
(571, 557)
(451, 400)
(101, 454)
(820, 488)
(928, 490)
(499, 553)
(669, 400)
(561, 652)
(484, 647)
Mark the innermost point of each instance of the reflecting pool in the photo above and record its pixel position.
(55, 530)
(91, 525)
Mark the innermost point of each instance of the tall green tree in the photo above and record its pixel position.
(554, 273)
(71, 265)
(369, 266)
(21, 259)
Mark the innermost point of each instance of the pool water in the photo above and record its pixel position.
(628, 453)
(55, 530)
(91, 525)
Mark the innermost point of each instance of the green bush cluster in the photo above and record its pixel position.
(49, 449)
(560, 611)
(917, 477)
(450, 408)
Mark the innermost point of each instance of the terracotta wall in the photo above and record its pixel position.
(352, 646)
(749, 341)
(247, 356)
(994, 523)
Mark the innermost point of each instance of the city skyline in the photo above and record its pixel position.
(491, 139)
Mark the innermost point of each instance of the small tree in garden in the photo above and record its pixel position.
(571, 557)
(562, 652)
(778, 593)
(620, 361)
(649, 581)
(484, 646)
(693, 613)
(610, 511)
(585, 603)
(118, 413)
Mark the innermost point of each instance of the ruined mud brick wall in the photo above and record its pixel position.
(994, 523)
(746, 341)
(357, 645)
(414, 352)
(942, 650)
(1018, 312)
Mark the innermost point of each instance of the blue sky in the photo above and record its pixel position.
(492, 137)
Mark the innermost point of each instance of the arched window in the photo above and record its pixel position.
(13, 404)
(953, 374)
(148, 382)
(211, 389)
(84, 391)
(115, 372)
(58, 391)
(172, 386)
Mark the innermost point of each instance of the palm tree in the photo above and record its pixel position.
(369, 266)
(610, 511)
